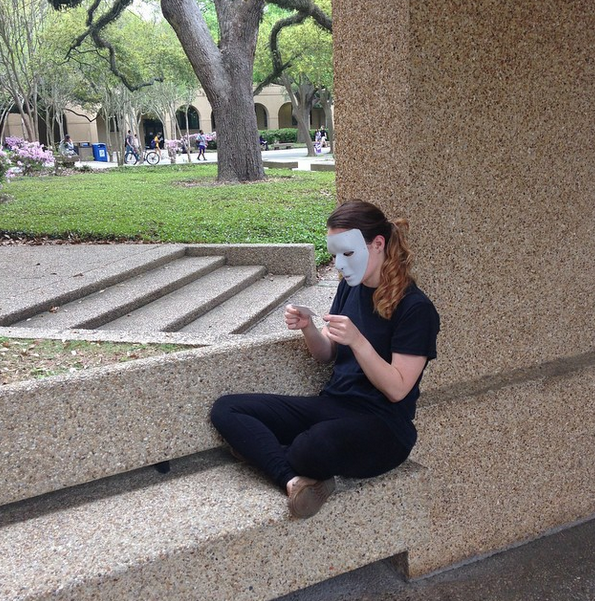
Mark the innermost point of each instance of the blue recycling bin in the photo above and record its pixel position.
(100, 152)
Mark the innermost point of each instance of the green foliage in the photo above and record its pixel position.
(5, 165)
(287, 135)
(307, 47)
(177, 203)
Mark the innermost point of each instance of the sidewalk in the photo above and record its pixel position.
(291, 155)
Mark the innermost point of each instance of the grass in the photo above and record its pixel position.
(177, 203)
(24, 359)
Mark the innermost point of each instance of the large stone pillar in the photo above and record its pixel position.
(476, 121)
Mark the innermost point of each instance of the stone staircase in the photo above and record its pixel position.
(84, 514)
(202, 295)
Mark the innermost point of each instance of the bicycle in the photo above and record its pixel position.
(151, 156)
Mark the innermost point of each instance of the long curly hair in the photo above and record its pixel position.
(395, 273)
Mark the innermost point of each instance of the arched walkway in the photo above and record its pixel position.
(262, 116)
(286, 118)
(193, 123)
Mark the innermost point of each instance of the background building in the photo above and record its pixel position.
(273, 111)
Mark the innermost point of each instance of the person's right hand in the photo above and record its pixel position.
(294, 320)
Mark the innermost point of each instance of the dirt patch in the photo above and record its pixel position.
(26, 359)
(327, 272)
(7, 239)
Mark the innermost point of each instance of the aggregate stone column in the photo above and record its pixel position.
(475, 120)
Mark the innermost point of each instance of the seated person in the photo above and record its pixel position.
(66, 147)
(264, 145)
(381, 334)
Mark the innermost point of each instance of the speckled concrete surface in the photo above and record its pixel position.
(508, 463)
(556, 567)
(278, 259)
(482, 113)
(33, 276)
(66, 430)
(197, 533)
(37, 278)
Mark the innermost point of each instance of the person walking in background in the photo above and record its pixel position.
(130, 146)
(381, 333)
(156, 143)
(201, 141)
(136, 146)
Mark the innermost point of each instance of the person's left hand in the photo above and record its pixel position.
(341, 329)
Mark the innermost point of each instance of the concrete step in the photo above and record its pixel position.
(237, 314)
(112, 302)
(105, 421)
(209, 529)
(177, 309)
(36, 278)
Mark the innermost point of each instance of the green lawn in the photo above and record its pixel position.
(178, 203)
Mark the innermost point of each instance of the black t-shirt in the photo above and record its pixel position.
(411, 330)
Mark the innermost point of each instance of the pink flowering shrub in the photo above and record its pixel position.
(27, 157)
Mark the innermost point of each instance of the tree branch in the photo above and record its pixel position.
(305, 9)
(94, 28)
(272, 78)
(309, 9)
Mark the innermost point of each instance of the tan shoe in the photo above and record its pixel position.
(307, 497)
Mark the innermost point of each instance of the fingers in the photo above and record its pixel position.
(341, 329)
(295, 320)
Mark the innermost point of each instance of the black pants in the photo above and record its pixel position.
(317, 437)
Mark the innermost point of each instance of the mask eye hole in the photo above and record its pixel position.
(348, 254)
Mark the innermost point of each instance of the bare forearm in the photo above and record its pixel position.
(320, 347)
(383, 375)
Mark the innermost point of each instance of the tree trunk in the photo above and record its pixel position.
(238, 145)
(301, 105)
(225, 72)
(326, 100)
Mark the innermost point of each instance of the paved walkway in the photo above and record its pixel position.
(292, 154)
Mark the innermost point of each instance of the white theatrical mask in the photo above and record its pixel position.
(351, 255)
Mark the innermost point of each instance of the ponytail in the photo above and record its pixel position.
(395, 275)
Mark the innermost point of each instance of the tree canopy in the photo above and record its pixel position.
(221, 52)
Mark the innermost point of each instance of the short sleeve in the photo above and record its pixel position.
(416, 327)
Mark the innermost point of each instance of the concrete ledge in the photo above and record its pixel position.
(280, 164)
(511, 458)
(209, 530)
(68, 430)
(279, 259)
(322, 166)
